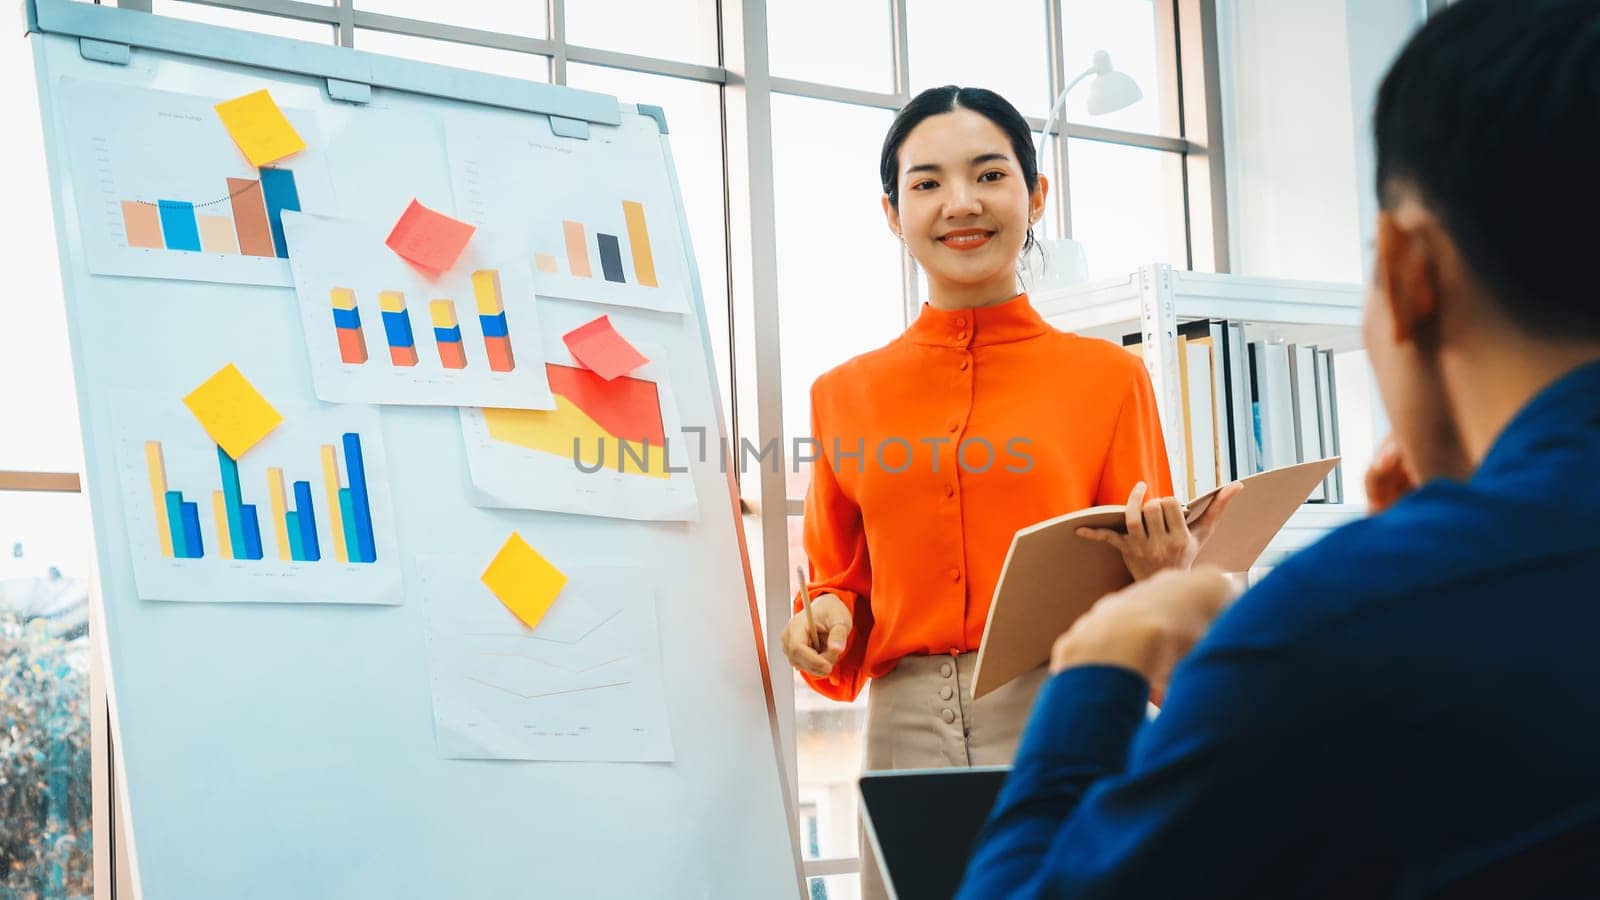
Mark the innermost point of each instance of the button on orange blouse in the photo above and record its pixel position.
(933, 450)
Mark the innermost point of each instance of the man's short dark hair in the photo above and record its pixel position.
(1492, 114)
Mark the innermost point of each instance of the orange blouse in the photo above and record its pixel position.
(912, 538)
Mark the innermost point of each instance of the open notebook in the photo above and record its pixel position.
(1052, 576)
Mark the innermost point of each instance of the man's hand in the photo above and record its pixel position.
(1158, 537)
(816, 650)
(1388, 478)
(1147, 627)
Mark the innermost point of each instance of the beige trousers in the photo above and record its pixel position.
(922, 716)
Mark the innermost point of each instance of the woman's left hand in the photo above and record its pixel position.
(1158, 537)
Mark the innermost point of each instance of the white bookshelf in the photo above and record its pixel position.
(1154, 299)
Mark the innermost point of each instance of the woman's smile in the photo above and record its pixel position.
(965, 238)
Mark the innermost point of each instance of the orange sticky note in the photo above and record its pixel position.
(232, 411)
(260, 128)
(429, 239)
(523, 580)
(598, 347)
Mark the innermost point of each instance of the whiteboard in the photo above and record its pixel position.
(272, 749)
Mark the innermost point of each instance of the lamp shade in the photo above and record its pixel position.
(1111, 91)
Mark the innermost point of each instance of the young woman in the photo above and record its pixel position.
(977, 421)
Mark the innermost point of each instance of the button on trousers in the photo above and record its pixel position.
(922, 716)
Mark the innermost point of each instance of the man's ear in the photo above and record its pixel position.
(891, 215)
(1408, 268)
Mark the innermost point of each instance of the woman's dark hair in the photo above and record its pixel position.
(940, 100)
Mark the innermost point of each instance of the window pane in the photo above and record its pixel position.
(834, 887)
(694, 120)
(843, 42)
(525, 19)
(1000, 46)
(828, 749)
(44, 696)
(684, 30)
(1125, 29)
(38, 409)
(1127, 206)
(254, 22)
(838, 263)
(527, 66)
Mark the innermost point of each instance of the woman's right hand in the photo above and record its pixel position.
(814, 651)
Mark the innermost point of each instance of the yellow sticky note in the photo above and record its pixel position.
(232, 411)
(260, 128)
(523, 580)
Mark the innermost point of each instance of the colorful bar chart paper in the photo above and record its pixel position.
(397, 328)
(255, 227)
(237, 525)
(492, 316)
(347, 325)
(447, 334)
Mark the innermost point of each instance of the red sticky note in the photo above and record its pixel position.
(430, 240)
(599, 348)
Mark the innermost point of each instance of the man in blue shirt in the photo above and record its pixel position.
(1415, 701)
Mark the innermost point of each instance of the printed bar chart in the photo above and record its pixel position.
(255, 227)
(492, 317)
(347, 326)
(447, 334)
(397, 328)
(575, 235)
(237, 526)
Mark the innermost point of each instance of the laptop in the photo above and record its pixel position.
(923, 825)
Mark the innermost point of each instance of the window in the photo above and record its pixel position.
(684, 30)
(838, 263)
(524, 19)
(1127, 206)
(1000, 46)
(839, 287)
(449, 53)
(857, 34)
(231, 18)
(1129, 32)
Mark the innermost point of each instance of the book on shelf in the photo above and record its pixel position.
(1051, 576)
(1250, 406)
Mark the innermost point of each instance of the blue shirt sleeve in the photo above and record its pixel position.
(1226, 793)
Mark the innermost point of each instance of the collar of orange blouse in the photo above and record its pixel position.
(1013, 320)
